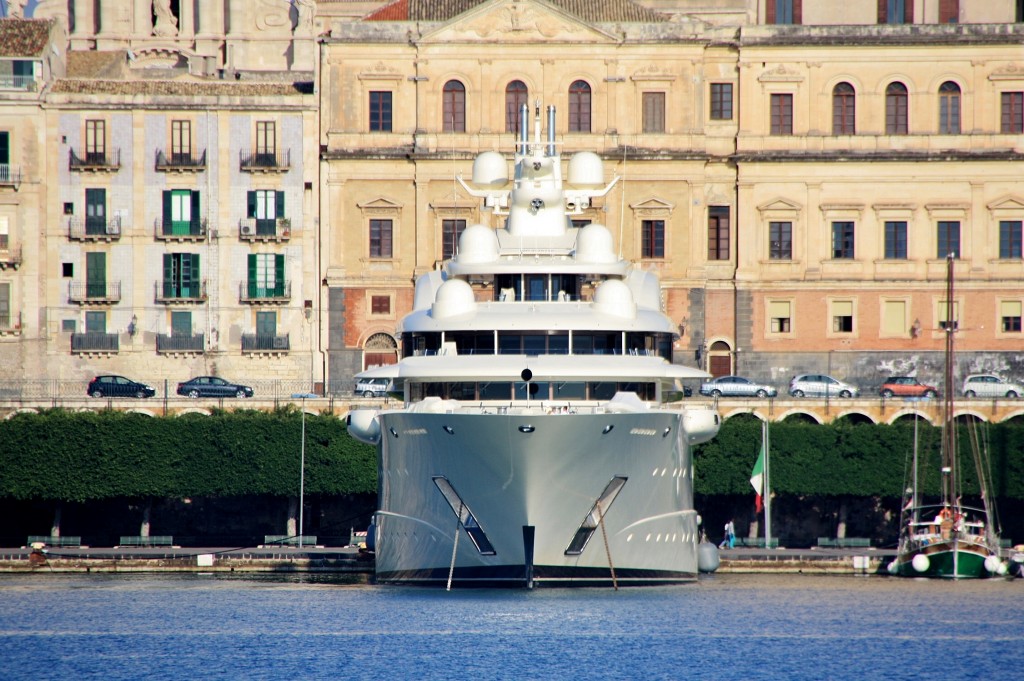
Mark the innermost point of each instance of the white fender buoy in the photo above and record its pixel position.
(892, 568)
(921, 562)
(707, 557)
(992, 563)
(1002, 570)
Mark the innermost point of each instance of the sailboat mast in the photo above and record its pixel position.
(767, 487)
(948, 417)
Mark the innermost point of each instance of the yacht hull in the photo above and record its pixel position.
(529, 480)
(951, 559)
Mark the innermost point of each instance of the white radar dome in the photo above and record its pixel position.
(586, 169)
(454, 298)
(490, 168)
(478, 244)
(614, 297)
(594, 244)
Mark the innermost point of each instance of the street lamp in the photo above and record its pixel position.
(302, 459)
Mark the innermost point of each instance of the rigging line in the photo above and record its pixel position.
(607, 549)
(455, 545)
(622, 199)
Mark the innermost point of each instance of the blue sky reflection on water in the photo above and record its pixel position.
(725, 627)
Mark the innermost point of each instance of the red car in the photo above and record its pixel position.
(906, 386)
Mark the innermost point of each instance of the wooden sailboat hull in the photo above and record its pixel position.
(950, 559)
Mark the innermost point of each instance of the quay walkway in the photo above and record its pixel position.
(349, 560)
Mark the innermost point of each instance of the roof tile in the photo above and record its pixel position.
(24, 37)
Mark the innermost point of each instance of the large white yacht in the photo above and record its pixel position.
(537, 443)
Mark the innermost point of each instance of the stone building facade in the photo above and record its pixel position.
(795, 171)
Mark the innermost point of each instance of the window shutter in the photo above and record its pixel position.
(5, 147)
(894, 320)
(280, 205)
(250, 210)
(167, 211)
(279, 275)
(1010, 308)
(778, 309)
(168, 275)
(842, 308)
(195, 208)
(769, 12)
(252, 275)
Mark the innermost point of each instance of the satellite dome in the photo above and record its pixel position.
(586, 169)
(614, 297)
(454, 298)
(594, 244)
(490, 168)
(477, 244)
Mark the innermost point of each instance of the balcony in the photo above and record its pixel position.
(94, 229)
(10, 324)
(94, 343)
(265, 344)
(168, 292)
(252, 292)
(265, 161)
(10, 176)
(174, 230)
(265, 229)
(95, 161)
(9, 81)
(179, 162)
(94, 293)
(171, 344)
(10, 257)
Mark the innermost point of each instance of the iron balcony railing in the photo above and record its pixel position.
(94, 228)
(265, 229)
(95, 160)
(10, 175)
(258, 342)
(253, 292)
(10, 322)
(94, 342)
(171, 343)
(10, 256)
(9, 81)
(94, 291)
(177, 230)
(180, 291)
(180, 161)
(264, 160)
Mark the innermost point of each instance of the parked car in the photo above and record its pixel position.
(906, 386)
(736, 386)
(212, 386)
(118, 386)
(820, 385)
(990, 385)
(373, 387)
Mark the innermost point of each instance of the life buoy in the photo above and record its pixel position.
(946, 514)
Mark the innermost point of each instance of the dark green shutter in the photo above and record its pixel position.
(196, 220)
(96, 275)
(280, 204)
(5, 147)
(251, 204)
(168, 275)
(166, 227)
(279, 276)
(253, 285)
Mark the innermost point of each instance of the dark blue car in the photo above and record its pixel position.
(212, 386)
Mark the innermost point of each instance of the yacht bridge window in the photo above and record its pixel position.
(568, 391)
(537, 287)
(534, 343)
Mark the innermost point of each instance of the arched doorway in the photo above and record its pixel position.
(380, 349)
(720, 359)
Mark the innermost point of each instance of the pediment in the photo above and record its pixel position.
(381, 204)
(780, 205)
(652, 204)
(516, 21)
(1007, 203)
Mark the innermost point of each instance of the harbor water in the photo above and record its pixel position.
(728, 626)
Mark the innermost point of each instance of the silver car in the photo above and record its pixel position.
(990, 385)
(736, 386)
(820, 385)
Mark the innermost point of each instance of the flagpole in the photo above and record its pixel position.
(767, 487)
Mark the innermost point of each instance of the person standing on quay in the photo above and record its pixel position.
(730, 536)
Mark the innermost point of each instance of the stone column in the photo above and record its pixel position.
(84, 26)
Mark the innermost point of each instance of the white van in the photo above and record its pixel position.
(373, 387)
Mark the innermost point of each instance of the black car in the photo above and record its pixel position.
(212, 386)
(118, 386)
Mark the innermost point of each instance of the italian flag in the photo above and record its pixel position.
(757, 480)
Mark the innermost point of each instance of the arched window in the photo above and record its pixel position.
(949, 108)
(844, 102)
(516, 96)
(454, 96)
(896, 103)
(579, 106)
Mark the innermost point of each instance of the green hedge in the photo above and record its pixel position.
(82, 456)
(852, 460)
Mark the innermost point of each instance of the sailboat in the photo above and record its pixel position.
(949, 539)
